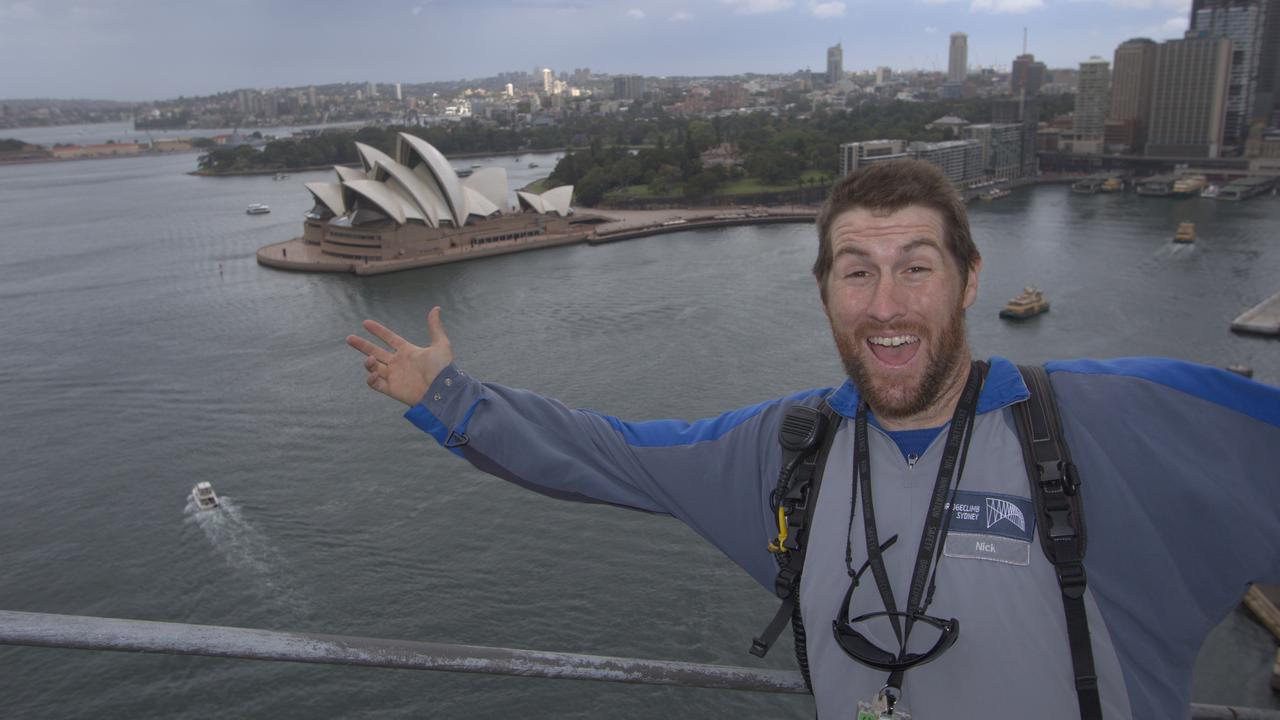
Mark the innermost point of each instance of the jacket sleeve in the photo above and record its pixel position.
(715, 475)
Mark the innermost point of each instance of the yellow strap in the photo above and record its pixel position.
(777, 545)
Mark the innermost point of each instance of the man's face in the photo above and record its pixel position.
(896, 299)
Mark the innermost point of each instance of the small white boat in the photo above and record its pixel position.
(281, 176)
(204, 496)
(257, 209)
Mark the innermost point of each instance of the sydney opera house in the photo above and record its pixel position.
(414, 210)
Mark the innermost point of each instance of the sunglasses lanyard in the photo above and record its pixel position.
(937, 522)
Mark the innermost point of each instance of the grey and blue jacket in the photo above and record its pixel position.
(1180, 466)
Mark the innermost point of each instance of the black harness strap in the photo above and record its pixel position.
(1055, 489)
(797, 495)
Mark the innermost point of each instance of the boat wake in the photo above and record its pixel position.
(247, 550)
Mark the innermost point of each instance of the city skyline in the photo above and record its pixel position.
(138, 50)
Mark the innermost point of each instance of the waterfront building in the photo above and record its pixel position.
(835, 64)
(958, 59)
(961, 160)
(1093, 100)
(1001, 149)
(1188, 97)
(1254, 56)
(1131, 83)
(858, 154)
(1027, 74)
(415, 205)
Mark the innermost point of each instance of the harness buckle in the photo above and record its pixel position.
(1071, 578)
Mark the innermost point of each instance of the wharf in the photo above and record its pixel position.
(1261, 319)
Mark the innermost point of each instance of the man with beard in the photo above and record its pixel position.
(1177, 464)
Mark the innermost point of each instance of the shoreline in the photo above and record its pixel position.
(618, 226)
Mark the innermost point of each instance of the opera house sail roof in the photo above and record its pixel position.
(419, 186)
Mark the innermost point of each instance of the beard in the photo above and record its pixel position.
(903, 398)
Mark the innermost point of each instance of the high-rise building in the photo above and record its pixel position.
(399, 95)
(370, 90)
(1188, 97)
(1093, 101)
(311, 96)
(1250, 87)
(1026, 74)
(548, 80)
(835, 64)
(883, 75)
(958, 63)
(628, 87)
(1131, 80)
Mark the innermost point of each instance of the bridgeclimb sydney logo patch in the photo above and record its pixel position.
(992, 514)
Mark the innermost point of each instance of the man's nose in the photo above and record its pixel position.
(887, 304)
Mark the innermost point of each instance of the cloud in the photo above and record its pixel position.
(1173, 27)
(417, 10)
(758, 7)
(18, 11)
(680, 16)
(828, 9)
(1006, 6)
(636, 13)
(930, 29)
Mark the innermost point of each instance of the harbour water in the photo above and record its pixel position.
(145, 350)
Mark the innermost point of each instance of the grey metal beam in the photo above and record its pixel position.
(112, 634)
(95, 633)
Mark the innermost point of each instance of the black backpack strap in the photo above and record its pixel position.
(1055, 490)
(806, 435)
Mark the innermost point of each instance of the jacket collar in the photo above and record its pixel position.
(1004, 386)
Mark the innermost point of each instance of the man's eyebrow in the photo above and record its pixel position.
(920, 242)
(851, 249)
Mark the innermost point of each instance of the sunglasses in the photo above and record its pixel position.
(865, 651)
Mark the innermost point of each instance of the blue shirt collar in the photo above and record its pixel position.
(1004, 387)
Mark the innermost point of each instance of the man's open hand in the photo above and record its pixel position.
(405, 371)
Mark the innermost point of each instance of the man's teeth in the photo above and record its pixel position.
(894, 341)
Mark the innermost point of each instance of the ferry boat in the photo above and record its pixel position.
(463, 173)
(1112, 184)
(1086, 186)
(204, 496)
(1190, 185)
(993, 194)
(1186, 233)
(1029, 303)
(1210, 192)
(257, 209)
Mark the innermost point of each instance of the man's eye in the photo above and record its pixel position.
(918, 269)
(857, 274)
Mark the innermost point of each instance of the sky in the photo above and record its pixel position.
(155, 49)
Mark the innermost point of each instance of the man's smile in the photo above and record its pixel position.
(894, 350)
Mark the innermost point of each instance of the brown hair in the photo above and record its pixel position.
(889, 187)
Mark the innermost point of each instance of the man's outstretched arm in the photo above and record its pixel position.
(715, 475)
